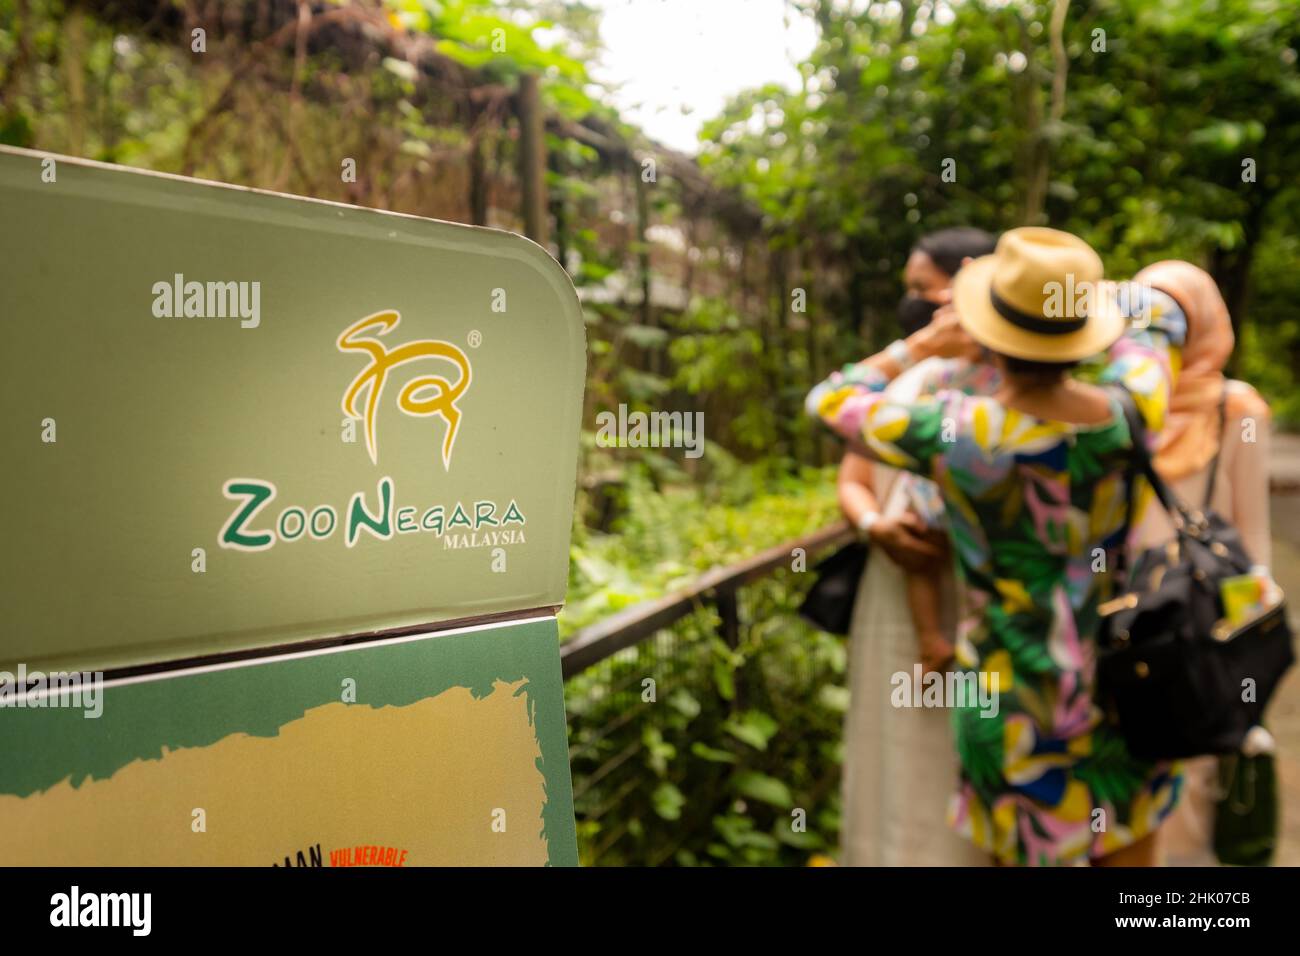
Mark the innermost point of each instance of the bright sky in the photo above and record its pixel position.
(676, 62)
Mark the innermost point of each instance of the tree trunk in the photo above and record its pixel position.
(74, 54)
(478, 183)
(532, 159)
(1231, 269)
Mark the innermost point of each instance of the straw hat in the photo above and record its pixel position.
(1041, 295)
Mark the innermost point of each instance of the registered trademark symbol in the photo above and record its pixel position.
(475, 339)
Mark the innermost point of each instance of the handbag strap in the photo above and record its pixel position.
(1218, 449)
(1140, 464)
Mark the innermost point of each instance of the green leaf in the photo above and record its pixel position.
(685, 703)
(402, 69)
(753, 727)
(835, 698)
(758, 786)
(807, 840)
(712, 754)
(668, 801)
(645, 336)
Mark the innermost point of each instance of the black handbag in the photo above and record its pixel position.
(1177, 680)
(829, 602)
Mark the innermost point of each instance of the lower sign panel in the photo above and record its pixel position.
(445, 749)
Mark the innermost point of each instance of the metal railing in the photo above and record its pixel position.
(673, 651)
(718, 587)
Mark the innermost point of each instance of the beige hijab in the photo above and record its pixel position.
(1192, 431)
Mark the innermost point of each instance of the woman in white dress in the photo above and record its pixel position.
(1217, 428)
(899, 763)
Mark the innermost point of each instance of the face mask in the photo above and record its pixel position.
(915, 313)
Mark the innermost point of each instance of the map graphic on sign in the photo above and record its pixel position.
(321, 777)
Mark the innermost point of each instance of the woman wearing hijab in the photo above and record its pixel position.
(1213, 451)
(1035, 481)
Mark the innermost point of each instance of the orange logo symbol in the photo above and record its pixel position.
(415, 398)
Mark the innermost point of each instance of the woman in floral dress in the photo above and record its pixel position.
(1035, 482)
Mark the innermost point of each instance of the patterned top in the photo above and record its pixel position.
(926, 378)
(1038, 512)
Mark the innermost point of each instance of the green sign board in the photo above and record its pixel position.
(239, 420)
(299, 477)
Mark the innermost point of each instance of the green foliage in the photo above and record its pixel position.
(1145, 155)
(1271, 349)
(146, 100)
(738, 737)
(500, 39)
(667, 537)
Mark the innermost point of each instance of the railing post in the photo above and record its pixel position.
(532, 159)
(478, 183)
(729, 612)
(726, 599)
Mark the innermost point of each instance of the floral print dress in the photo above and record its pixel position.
(1038, 513)
(925, 379)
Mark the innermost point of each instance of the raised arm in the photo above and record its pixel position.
(1145, 358)
(852, 402)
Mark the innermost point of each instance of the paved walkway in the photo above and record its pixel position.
(1284, 713)
(1285, 454)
